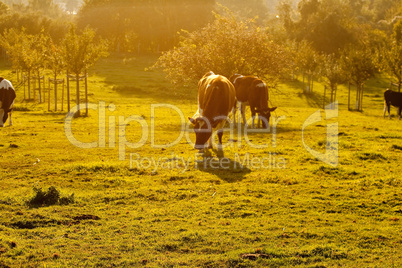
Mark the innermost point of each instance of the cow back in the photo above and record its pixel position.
(393, 98)
(217, 98)
(243, 87)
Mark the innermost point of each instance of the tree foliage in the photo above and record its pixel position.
(392, 55)
(333, 74)
(360, 67)
(34, 23)
(225, 46)
(27, 52)
(144, 24)
(81, 51)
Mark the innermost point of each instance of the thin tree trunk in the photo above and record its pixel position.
(29, 84)
(55, 92)
(68, 92)
(48, 94)
(62, 96)
(77, 77)
(23, 80)
(357, 97)
(349, 98)
(86, 93)
(361, 98)
(40, 91)
(335, 90)
(312, 84)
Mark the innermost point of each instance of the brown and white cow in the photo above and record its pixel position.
(7, 97)
(216, 99)
(252, 91)
(392, 98)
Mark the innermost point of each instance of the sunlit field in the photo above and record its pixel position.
(268, 203)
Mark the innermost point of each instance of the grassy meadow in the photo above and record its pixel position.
(268, 203)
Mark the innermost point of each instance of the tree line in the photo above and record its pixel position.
(344, 41)
(339, 40)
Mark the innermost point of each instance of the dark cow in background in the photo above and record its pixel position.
(252, 91)
(216, 99)
(392, 98)
(7, 97)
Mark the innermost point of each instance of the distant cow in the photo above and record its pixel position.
(216, 99)
(7, 97)
(252, 91)
(392, 98)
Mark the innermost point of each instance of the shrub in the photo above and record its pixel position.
(48, 198)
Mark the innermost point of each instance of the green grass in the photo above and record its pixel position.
(295, 212)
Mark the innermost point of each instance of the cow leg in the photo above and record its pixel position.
(10, 122)
(1, 117)
(234, 110)
(252, 117)
(5, 117)
(385, 108)
(210, 142)
(399, 112)
(220, 134)
(234, 115)
(243, 113)
(258, 121)
(389, 109)
(220, 146)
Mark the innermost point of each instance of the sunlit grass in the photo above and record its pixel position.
(184, 213)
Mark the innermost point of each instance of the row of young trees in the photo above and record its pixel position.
(345, 41)
(33, 54)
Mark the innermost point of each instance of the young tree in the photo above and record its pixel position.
(27, 52)
(393, 54)
(81, 51)
(56, 63)
(307, 60)
(359, 65)
(333, 74)
(39, 55)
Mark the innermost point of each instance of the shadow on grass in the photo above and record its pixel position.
(313, 99)
(157, 91)
(131, 76)
(225, 168)
(45, 113)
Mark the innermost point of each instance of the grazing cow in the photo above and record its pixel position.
(216, 99)
(392, 98)
(252, 91)
(7, 97)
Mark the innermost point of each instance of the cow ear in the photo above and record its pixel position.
(192, 120)
(272, 109)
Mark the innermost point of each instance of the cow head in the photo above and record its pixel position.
(203, 131)
(265, 115)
